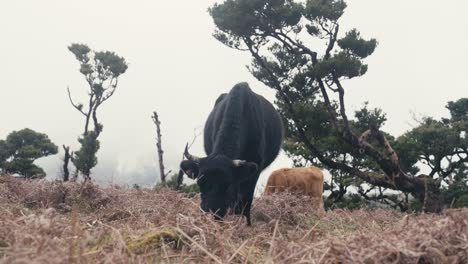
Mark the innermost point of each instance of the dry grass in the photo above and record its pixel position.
(43, 222)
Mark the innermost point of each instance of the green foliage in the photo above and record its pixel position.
(85, 158)
(456, 195)
(21, 148)
(81, 52)
(458, 110)
(349, 201)
(415, 205)
(109, 64)
(262, 25)
(101, 70)
(171, 182)
(367, 118)
(247, 17)
(310, 95)
(324, 9)
(435, 143)
(354, 44)
(98, 66)
(341, 64)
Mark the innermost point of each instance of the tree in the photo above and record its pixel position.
(66, 159)
(283, 37)
(21, 148)
(85, 158)
(156, 121)
(101, 70)
(441, 146)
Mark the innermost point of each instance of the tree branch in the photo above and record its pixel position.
(78, 107)
(453, 166)
(156, 121)
(384, 142)
(112, 88)
(304, 49)
(300, 128)
(332, 40)
(342, 106)
(90, 110)
(328, 104)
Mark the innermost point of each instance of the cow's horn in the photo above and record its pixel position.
(190, 156)
(238, 163)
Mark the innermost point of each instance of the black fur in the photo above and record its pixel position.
(242, 126)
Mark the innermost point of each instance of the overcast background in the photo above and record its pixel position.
(177, 68)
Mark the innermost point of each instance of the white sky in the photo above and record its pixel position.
(177, 68)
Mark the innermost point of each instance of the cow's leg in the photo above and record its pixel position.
(248, 198)
(247, 213)
(244, 200)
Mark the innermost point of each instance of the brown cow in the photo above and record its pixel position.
(305, 180)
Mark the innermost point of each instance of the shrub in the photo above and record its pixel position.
(349, 201)
(189, 189)
(456, 195)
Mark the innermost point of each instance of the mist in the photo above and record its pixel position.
(178, 69)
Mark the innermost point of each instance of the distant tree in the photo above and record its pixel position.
(101, 70)
(172, 182)
(66, 160)
(21, 148)
(442, 147)
(85, 158)
(157, 122)
(283, 37)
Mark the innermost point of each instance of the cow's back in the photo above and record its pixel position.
(244, 125)
(307, 180)
(315, 187)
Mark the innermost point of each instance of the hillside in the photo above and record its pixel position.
(44, 222)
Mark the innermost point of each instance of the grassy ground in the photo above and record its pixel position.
(42, 222)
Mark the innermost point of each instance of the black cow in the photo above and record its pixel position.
(242, 136)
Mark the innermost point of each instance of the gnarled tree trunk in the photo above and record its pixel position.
(66, 161)
(428, 192)
(156, 121)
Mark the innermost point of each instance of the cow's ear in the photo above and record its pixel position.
(190, 168)
(246, 170)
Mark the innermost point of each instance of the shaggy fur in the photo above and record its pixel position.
(242, 126)
(303, 180)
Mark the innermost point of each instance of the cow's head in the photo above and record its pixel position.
(219, 178)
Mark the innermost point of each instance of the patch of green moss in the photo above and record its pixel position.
(152, 240)
(3, 244)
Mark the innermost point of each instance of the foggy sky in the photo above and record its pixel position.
(177, 68)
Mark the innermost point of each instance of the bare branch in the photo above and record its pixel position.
(342, 106)
(329, 85)
(364, 135)
(326, 99)
(332, 40)
(97, 126)
(78, 107)
(112, 88)
(156, 121)
(384, 142)
(304, 49)
(66, 159)
(90, 110)
(453, 166)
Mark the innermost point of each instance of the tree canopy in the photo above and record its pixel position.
(298, 50)
(101, 70)
(21, 148)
